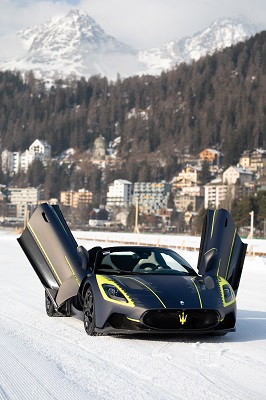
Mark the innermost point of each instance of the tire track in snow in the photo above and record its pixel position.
(26, 375)
(201, 389)
(131, 381)
(209, 358)
(3, 394)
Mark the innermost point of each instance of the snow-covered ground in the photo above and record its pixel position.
(53, 358)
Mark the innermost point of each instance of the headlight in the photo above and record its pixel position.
(114, 293)
(228, 293)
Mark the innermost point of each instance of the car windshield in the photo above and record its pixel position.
(140, 260)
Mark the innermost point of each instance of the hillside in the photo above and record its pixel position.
(218, 101)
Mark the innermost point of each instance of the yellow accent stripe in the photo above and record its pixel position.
(230, 255)
(59, 220)
(147, 287)
(213, 219)
(219, 264)
(213, 248)
(197, 292)
(101, 280)
(44, 253)
(133, 320)
(73, 272)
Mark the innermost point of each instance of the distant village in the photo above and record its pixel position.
(185, 193)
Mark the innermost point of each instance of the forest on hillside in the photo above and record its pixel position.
(217, 102)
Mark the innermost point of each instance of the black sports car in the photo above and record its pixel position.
(126, 289)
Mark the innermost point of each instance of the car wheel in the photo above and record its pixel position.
(89, 313)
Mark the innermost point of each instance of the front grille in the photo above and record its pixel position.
(200, 319)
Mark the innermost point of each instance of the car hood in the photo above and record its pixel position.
(161, 291)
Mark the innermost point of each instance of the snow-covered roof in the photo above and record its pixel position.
(240, 170)
(261, 151)
(124, 181)
(43, 142)
(217, 181)
(214, 151)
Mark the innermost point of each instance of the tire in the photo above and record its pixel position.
(89, 313)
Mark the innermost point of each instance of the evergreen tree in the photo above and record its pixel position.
(36, 173)
(205, 172)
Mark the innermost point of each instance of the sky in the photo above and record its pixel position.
(139, 23)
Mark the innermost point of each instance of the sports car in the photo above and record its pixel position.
(137, 289)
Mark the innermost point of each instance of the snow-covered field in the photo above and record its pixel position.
(53, 358)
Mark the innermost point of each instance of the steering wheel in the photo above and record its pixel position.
(145, 266)
(159, 266)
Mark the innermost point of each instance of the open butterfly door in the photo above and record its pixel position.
(222, 252)
(52, 251)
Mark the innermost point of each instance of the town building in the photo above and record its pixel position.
(254, 160)
(189, 176)
(119, 193)
(41, 149)
(215, 194)
(24, 200)
(10, 161)
(244, 160)
(121, 217)
(98, 217)
(235, 174)
(14, 162)
(99, 148)
(258, 161)
(165, 214)
(211, 155)
(184, 201)
(76, 199)
(151, 196)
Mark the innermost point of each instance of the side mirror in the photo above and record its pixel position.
(209, 282)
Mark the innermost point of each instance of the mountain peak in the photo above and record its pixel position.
(79, 18)
(222, 33)
(76, 44)
(77, 12)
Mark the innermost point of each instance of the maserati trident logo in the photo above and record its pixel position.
(182, 302)
(182, 318)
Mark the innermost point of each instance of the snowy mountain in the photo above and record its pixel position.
(222, 33)
(77, 45)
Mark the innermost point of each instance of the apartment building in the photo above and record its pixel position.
(214, 193)
(14, 162)
(254, 160)
(189, 176)
(152, 196)
(211, 155)
(183, 201)
(10, 161)
(235, 174)
(119, 193)
(24, 199)
(76, 199)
